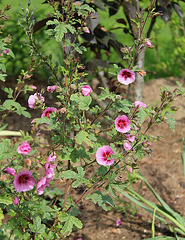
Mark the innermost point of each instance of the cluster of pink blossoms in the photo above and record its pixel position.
(24, 181)
(33, 99)
(122, 125)
(49, 170)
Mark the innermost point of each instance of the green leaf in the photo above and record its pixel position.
(9, 104)
(83, 101)
(69, 174)
(78, 154)
(1, 216)
(162, 238)
(2, 77)
(141, 114)
(106, 94)
(79, 179)
(82, 136)
(123, 105)
(80, 49)
(69, 221)
(176, 215)
(137, 202)
(101, 199)
(60, 30)
(5, 146)
(5, 199)
(171, 121)
(9, 91)
(183, 153)
(37, 227)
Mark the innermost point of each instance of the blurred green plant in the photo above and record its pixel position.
(183, 153)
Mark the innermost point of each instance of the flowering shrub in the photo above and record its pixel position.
(73, 136)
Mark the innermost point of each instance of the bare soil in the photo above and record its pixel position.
(162, 169)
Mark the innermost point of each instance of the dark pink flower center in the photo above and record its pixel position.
(106, 155)
(47, 113)
(122, 124)
(126, 74)
(23, 179)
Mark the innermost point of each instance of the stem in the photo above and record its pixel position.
(108, 105)
(67, 187)
(153, 206)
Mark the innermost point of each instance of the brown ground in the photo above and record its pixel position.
(163, 170)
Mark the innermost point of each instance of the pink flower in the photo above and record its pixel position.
(51, 89)
(15, 201)
(127, 146)
(86, 90)
(24, 148)
(49, 169)
(34, 87)
(24, 181)
(79, 239)
(6, 51)
(122, 124)
(139, 215)
(118, 222)
(102, 155)
(47, 111)
(126, 76)
(10, 171)
(130, 169)
(42, 183)
(130, 138)
(33, 99)
(51, 158)
(86, 30)
(29, 76)
(140, 104)
(149, 144)
(148, 43)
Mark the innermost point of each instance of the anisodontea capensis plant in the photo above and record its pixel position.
(76, 142)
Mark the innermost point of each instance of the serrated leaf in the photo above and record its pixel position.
(79, 179)
(69, 174)
(171, 121)
(84, 102)
(141, 114)
(101, 199)
(78, 154)
(5, 146)
(82, 136)
(69, 221)
(123, 105)
(9, 91)
(9, 104)
(37, 227)
(106, 95)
